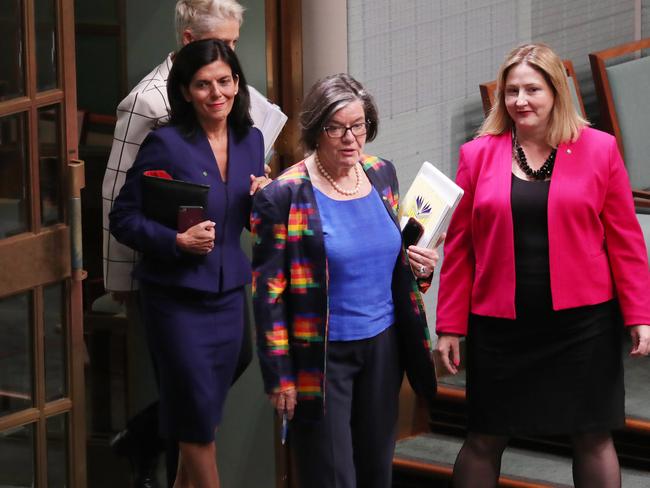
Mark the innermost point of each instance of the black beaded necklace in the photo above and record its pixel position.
(542, 173)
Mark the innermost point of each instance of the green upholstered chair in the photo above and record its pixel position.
(622, 79)
(637, 371)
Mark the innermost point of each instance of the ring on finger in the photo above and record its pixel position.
(422, 269)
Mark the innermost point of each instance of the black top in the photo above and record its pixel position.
(529, 201)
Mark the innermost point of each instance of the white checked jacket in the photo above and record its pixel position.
(140, 112)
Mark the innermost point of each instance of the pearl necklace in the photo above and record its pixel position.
(334, 184)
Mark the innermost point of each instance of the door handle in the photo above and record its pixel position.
(76, 181)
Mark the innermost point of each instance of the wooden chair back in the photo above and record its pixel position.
(88, 122)
(621, 80)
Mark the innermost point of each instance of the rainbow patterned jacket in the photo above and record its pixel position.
(290, 289)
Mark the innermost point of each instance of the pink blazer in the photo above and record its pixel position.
(596, 247)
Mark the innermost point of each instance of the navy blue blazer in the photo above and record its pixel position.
(191, 159)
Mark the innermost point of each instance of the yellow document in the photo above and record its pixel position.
(430, 200)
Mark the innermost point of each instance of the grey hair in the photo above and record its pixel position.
(326, 97)
(200, 16)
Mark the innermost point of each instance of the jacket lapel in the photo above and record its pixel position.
(373, 166)
(236, 152)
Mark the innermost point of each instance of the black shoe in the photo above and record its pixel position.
(123, 443)
(146, 482)
(143, 458)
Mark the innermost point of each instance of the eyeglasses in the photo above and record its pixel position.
(337, 131)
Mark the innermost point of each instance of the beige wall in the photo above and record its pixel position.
(324, 39)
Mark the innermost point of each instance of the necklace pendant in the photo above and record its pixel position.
(542, 173)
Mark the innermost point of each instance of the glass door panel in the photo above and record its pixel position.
(97, 12)
(14, 190)
(54, 324)
(57, 452)
(16, 354)
(12, 40)
(42, 422)
(47, 61)
(17, 459)
(49, 159)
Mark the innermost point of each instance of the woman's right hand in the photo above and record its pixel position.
(198, 239)
(448, 351)
(284, 401)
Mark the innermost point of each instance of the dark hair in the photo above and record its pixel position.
(326, 97)
(187, 62)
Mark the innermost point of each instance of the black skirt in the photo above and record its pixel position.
(547, 372)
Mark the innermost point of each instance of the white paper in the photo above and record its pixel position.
(267, 117)
(431, 200)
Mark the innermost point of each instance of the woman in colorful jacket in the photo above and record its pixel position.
(337, 297)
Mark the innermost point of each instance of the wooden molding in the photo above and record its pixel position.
(29, 260)
(413, 415)
(19, 419)
(271, 8)
(444, 471)
(285, 74)
(488, 91)
(637, 425)
(451, 393)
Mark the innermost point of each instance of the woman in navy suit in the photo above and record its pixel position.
(192, 282)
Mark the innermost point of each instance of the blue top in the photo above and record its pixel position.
(362, 244)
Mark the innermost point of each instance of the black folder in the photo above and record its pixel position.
(162, 197)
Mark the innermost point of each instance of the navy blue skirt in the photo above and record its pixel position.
(195, 338)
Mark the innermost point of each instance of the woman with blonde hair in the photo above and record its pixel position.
(544, 263)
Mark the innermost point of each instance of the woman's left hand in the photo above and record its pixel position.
(423, 260)
(284, 402)
(640, 335)
(258, 182)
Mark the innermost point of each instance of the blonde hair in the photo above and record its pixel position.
(200, 16)
(565, 122)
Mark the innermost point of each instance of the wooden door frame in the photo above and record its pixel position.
(75, 181)
(284, 86)
(284, 74)
(21, 254)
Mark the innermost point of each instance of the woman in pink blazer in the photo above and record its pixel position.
(544, 260)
